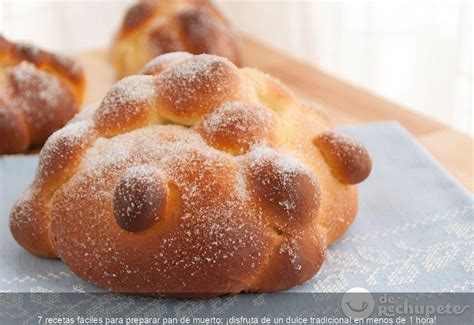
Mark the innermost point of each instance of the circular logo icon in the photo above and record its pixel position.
(357, 303)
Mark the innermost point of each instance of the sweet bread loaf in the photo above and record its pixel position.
(154, 27)
(196, 178)
(39, 93)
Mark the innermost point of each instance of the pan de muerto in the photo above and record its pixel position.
(195, 178)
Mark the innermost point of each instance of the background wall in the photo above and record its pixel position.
(418, 54)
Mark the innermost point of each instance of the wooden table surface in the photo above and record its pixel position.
(345, 103)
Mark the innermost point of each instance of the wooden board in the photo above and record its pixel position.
(345, 103)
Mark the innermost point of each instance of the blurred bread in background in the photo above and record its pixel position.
(39, 92)
(155, 27)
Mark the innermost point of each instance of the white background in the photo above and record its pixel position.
(418, 54)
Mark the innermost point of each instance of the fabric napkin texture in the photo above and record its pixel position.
(413, 233)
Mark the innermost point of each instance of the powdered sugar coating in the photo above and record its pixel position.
(60, 64)
(162, 62)
(39, 95)
(140, 204)
(140, 198)
(132, 89)
(63, 147)
(41, 91)
(213, 227)
(283, 184)
(24, 214)
(86, 113)
(42, 99)
(48, 86)
(348, 159)
(236, 126)
(285, 163)
(195, 87)
(132, 98)
(72, 132)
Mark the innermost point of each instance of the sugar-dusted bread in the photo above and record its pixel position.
(195, 178)
(39, 93)
(154, 27)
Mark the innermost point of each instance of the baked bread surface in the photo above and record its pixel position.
(154, 27)
(39, 93)
(193, 179)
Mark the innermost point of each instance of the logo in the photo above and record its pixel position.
(357, 303)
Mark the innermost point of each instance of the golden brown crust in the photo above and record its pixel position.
(164, 61)
(208, 34)
(349, 160)
(60, 156)
(136, 16)
(140, 198)
(284, 188)
(29, 224)
(13, 129)
(182, 192)
(236, 126)
(152, 28)
(129, 104)
(42, 90)
(63, 67)
(215, 79)
(297, 259)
